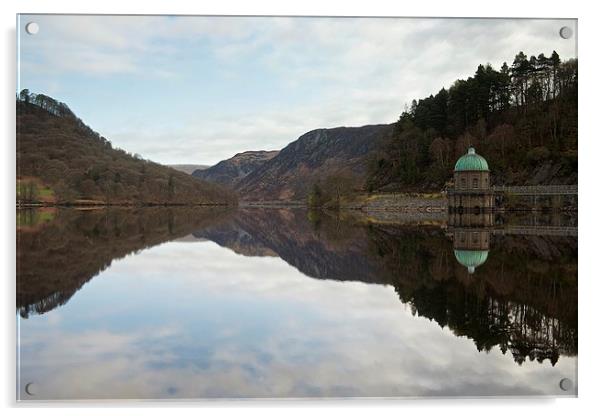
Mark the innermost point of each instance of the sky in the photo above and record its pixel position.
(181, 89)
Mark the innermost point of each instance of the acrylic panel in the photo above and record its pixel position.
(295, 207)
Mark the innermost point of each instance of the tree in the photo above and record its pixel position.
(32, 191)
(337, 186)
(315, 196)
(544, 66)
(171, 188)
(440, 150)
(520, 77)
(502, 88)
(88, 188)
(501, 137)
(463, 143)
(555, 64)
(24, 95)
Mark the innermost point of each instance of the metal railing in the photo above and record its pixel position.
(537, 230)
(538, 189)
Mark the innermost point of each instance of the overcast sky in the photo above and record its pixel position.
(200, 89)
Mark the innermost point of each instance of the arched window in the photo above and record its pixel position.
(463, 183)
(475, 182)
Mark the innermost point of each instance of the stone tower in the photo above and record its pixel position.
(472, 188)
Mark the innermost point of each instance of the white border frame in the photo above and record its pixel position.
(590, 146)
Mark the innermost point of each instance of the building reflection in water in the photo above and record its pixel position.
(521, 327)
(471, 235)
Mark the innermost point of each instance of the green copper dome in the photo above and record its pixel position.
(471, 161)
(471, 259)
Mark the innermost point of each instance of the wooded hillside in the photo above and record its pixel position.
(72, 163)
(522, 118)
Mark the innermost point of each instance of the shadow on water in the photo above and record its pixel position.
(507, 282)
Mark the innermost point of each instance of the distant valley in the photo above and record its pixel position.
(187, 168)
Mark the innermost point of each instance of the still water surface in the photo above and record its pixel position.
(167, 303)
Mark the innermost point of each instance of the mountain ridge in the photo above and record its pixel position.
(230, 171)
(314, 156)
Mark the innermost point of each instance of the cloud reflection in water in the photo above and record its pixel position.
(184, 320)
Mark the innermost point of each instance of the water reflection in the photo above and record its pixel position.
(536, 328)
(471, 234)
(490, 280)
(57, 256)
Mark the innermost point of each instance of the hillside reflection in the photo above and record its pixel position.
(516, 290)
(56, 258)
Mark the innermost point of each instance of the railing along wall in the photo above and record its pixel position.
(538, 189)
(536, 230)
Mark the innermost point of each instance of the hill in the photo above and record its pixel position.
(66, 161)
(319, 156)
(231, 171)
(522, 118)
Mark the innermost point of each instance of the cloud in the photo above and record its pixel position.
(298, 73)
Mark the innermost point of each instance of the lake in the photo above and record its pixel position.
(172, 303)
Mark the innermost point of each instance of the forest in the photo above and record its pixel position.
(522, 118)
(62, 160)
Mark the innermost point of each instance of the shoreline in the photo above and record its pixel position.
(367, 203)
(124, 205)
(384, 209)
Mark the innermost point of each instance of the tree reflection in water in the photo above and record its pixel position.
(55, 259)
(518, 292)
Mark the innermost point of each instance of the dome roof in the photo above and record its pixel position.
(471, 161)
(471, 259)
